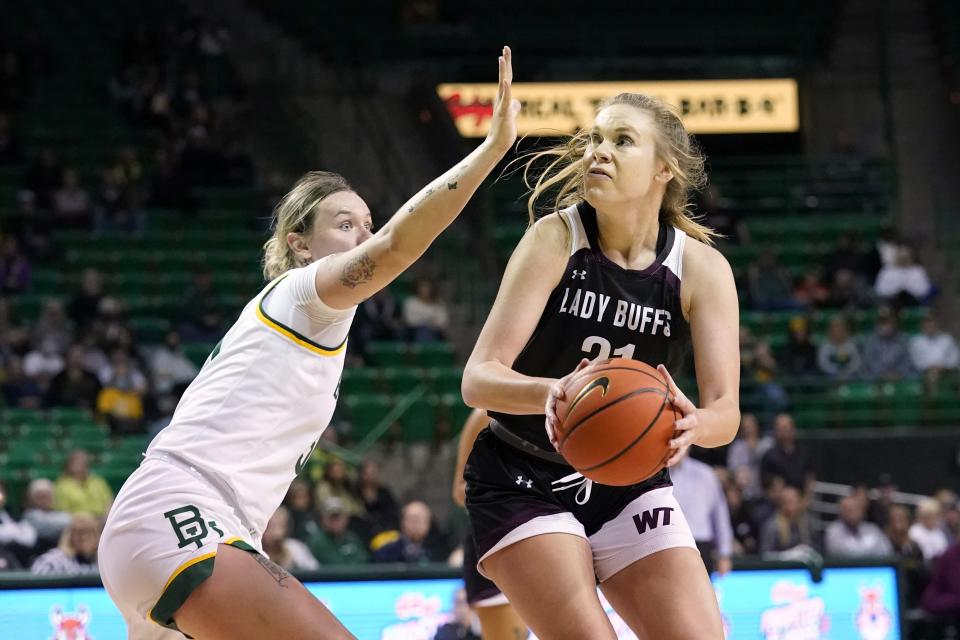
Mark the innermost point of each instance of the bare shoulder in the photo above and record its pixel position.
(550, 232)
(706, 275)
(703, 263)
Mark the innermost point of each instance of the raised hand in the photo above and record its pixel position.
(503, 125)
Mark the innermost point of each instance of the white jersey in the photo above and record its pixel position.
(254, 413)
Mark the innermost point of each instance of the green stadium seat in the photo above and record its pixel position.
(420, 419)
(70, 416)
(361, 380)
(432, 354)
(364, 411)
(444, 380)
(402, 380)
(388, 354)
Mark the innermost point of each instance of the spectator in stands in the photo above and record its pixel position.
(846, 256)
(74, 386)
(886, 352)
(424, 314)
(43, 363)
(336, 482)
(849, 536)
(934, 350)
(121, 400)
(378, 504)
(462, 625)
(848, 292)
(299, 504)
(11, 151)
(77, 551)
(39, 511)
(763, 370)
(201, 319)
(413, 545)
(950, 505)
(898, 533)
(810, 292)
(335, 543)
(927, 532)
(790, 526)
(799, 356)
(17, 538)
(71, 202)
(704, 504)
(878, 510)
(903, 282)
(838, 356)
(85, 305)
(54, 325)
(77, 490)
(786, 459)
(18, 389)
(15, 267)
(43, 177)
(942, 595)
(289, 553)
(746, 452)
(770, 285)
(745, 532)
(169, 367)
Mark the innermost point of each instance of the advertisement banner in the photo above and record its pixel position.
(857, 603)
(705, 106)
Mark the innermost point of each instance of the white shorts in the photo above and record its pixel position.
(651, 523)
(159, 544)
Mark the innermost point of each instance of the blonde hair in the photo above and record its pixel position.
(295, 214)
(80, 518)
(675, 147)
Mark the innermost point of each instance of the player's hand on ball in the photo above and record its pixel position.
(557, 394)
(503, 125)
(687, 428)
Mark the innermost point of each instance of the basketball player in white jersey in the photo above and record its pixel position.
(180, 553)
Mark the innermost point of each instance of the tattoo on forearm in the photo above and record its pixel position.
(451, 185)
(276, 572)
(358, 271)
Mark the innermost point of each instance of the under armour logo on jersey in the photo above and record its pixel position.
(579, 274)
(523, 481)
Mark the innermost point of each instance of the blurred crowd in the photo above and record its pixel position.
(762, 502)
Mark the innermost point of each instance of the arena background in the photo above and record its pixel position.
(143, 146)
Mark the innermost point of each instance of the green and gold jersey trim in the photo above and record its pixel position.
(292, 335)
(184, 580)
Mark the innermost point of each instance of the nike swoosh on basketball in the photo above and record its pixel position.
(602, 382)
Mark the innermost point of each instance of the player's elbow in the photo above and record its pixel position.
(468, 387)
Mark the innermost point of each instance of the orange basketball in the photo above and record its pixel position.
(616, 423)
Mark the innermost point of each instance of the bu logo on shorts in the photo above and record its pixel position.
(652, 518)
(191, 528)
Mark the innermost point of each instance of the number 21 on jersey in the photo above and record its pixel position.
(604, 346)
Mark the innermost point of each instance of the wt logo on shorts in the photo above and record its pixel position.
(652, 518)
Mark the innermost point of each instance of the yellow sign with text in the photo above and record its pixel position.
(705, 106)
